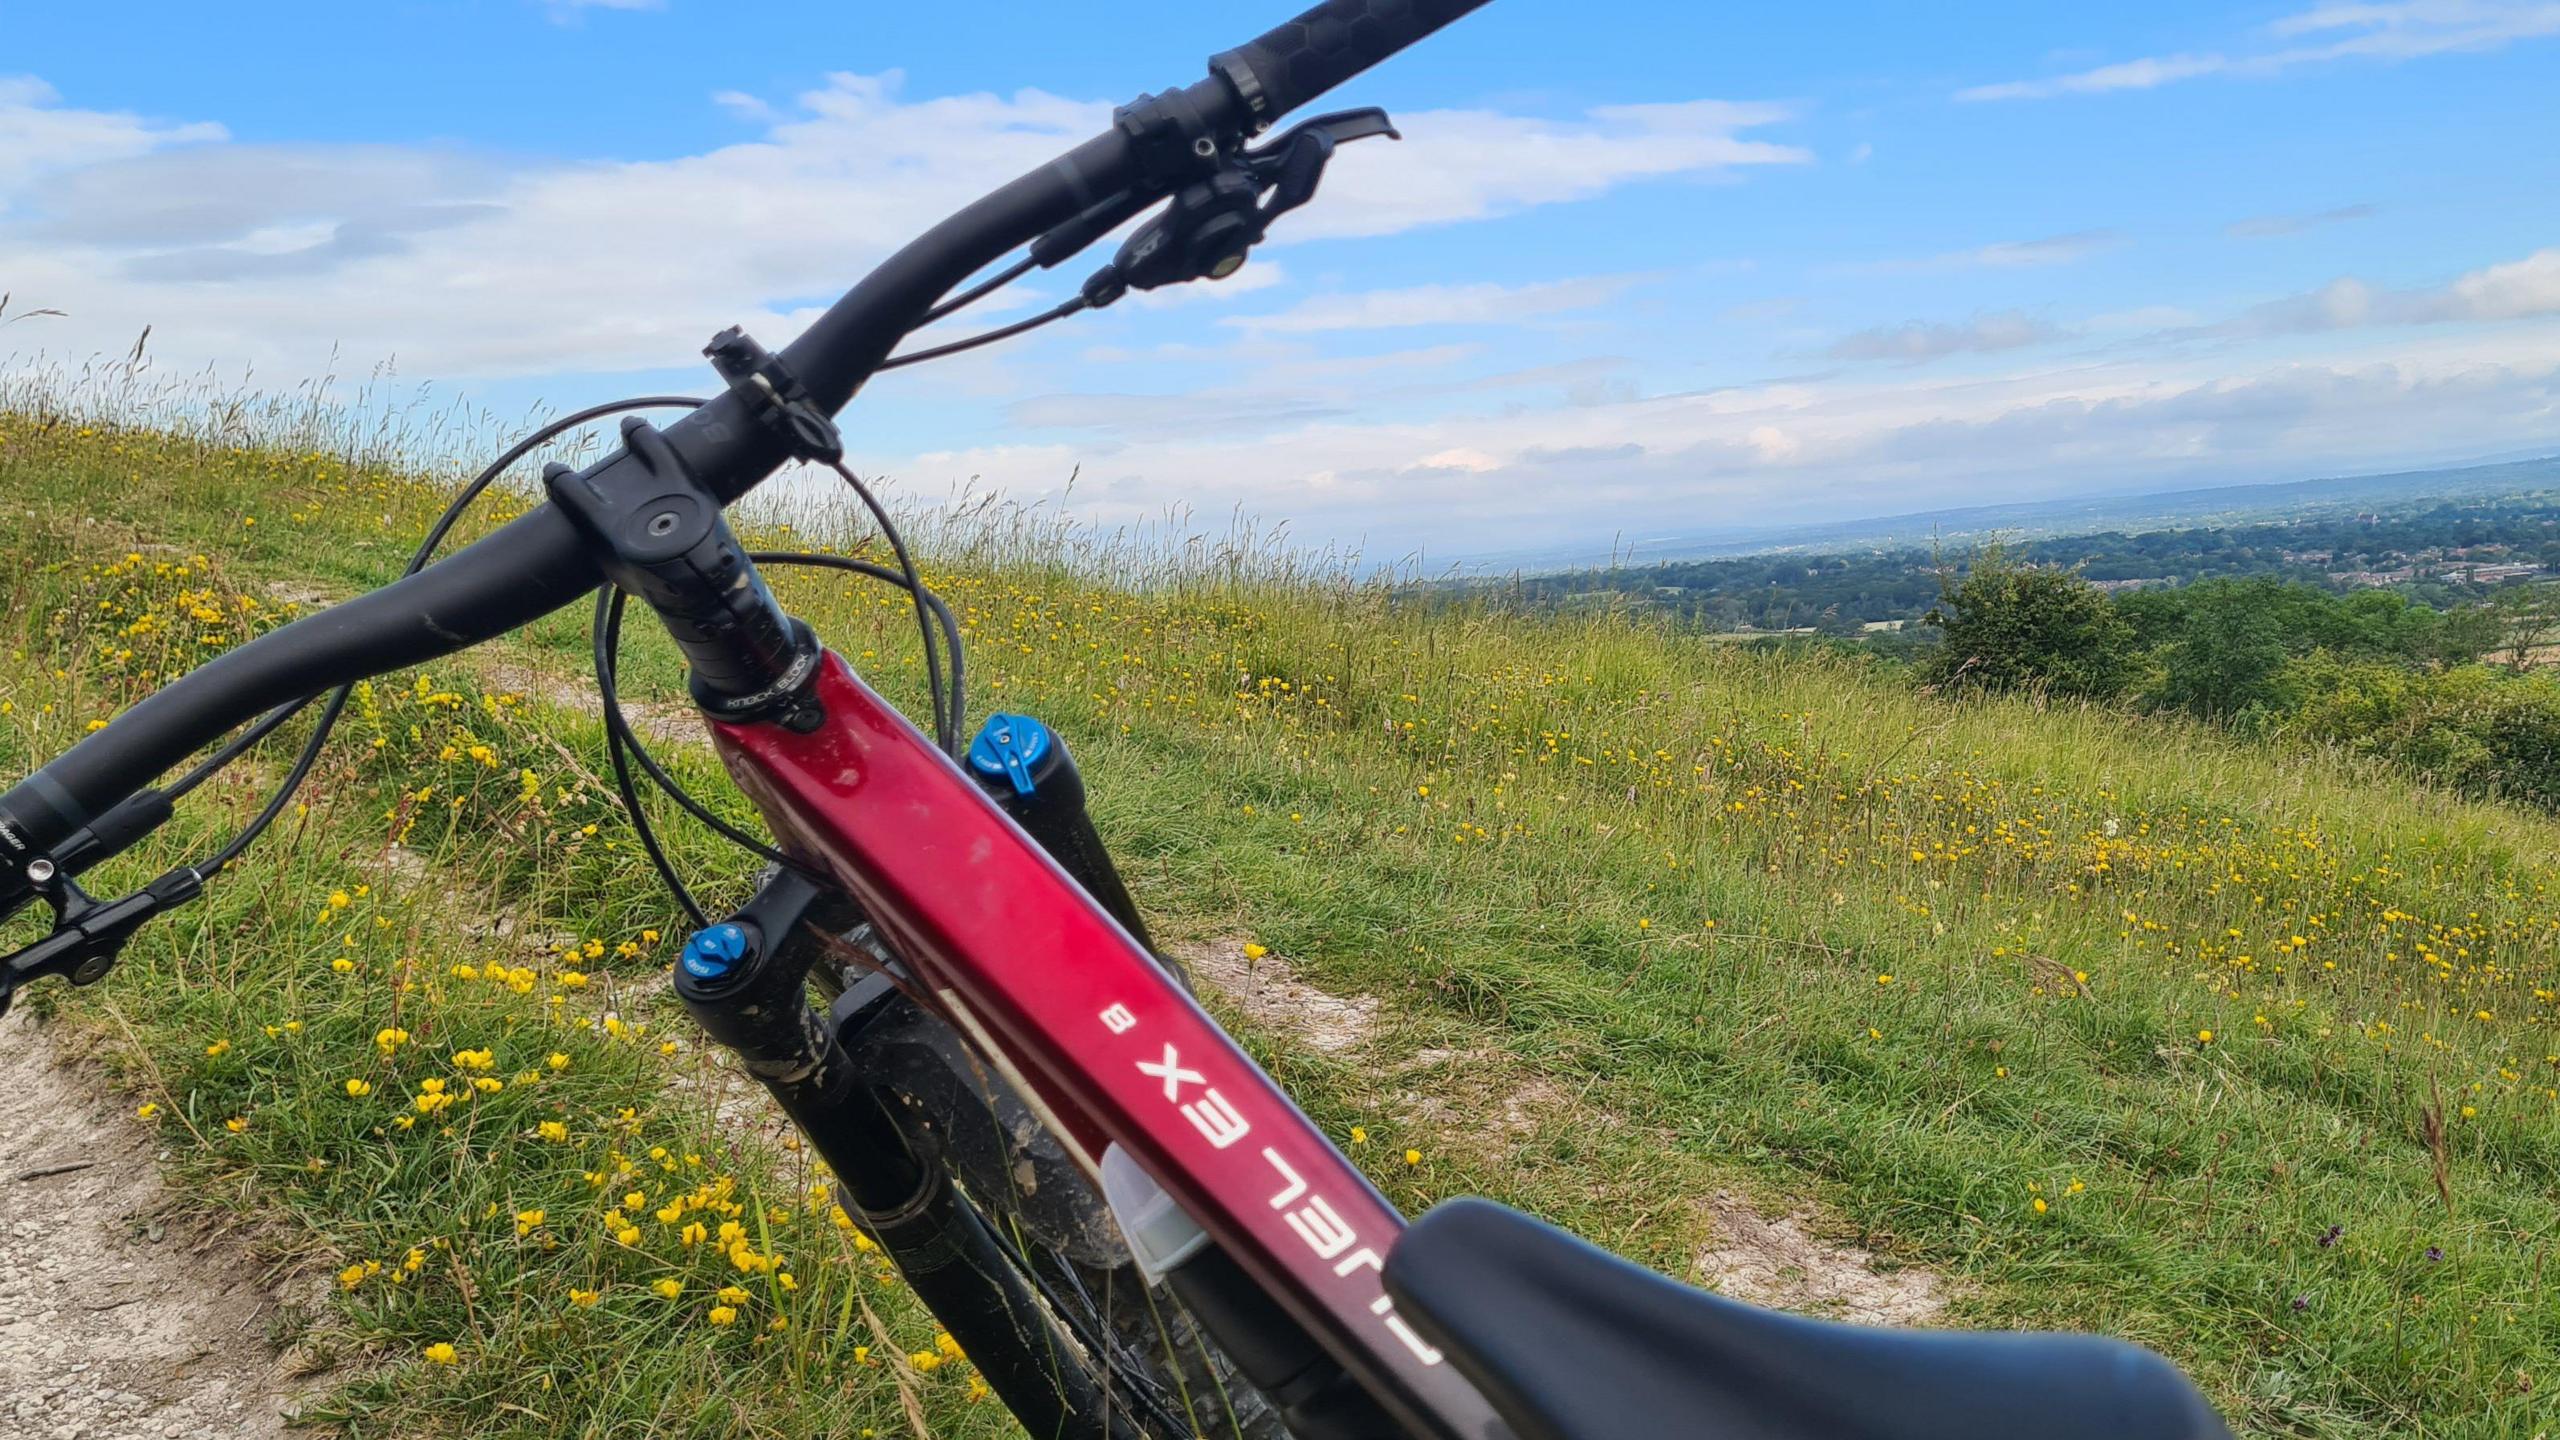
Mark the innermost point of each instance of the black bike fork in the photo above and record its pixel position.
(745, 981)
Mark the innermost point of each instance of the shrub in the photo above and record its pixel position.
(2482, 730)
(2026, 627)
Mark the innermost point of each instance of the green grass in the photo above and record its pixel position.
(1641, 892)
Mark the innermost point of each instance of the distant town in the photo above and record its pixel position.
(2444, 553)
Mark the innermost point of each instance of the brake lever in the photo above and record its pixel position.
(1294, 163)
(1205, 233)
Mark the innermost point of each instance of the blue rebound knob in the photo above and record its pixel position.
(714, 953)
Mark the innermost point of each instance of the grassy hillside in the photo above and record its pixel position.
(2119, 1024)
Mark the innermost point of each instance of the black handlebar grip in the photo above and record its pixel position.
(1338, 39)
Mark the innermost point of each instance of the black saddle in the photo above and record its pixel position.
(1569, 1342)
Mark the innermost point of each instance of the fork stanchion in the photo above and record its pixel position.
(745, 982)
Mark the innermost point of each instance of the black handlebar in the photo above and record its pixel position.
(541, 562)
(1292, 64)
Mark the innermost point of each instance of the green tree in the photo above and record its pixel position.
(2227, 656)
(2527, 617)
(2009, 626)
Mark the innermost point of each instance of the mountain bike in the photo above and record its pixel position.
(942, 978)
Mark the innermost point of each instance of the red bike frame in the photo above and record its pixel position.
(1092, 1029)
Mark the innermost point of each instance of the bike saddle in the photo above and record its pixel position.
(1569, 1342)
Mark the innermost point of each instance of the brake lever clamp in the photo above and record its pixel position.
(89, 934)
(1211, 224)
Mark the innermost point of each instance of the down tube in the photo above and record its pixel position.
(1116, 1049)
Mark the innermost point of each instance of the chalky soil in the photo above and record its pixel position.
(115, 1321)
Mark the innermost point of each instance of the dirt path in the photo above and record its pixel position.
(115, 1322)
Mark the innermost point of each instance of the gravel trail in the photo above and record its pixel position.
(115, 1320)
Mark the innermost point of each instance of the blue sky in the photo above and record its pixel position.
(1641, 269)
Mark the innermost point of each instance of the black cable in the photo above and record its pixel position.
(959, 707)
(1005, 332)
(979, 291)
(427, 547)
(946, 725)
(284, 793)
(605, 636)
(623, 747)
(618, 728)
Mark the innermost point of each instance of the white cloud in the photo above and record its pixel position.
(1472, 164)
(1260, 272)
(1284, 385)
(2517, 290)
(1461, 459)
(2526, 289)
(2425, 27)
(565, 11)
(2127, 75)
(468, 265)
(1916, 341)
(1482, 304)
(1800, 450)
(1162, 415)
(1310, 366)
(39, 136)
(745, 106)
(2006, 255)
(2408, 30)
(2267, 227)
(2143, 319)
(465, 266)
